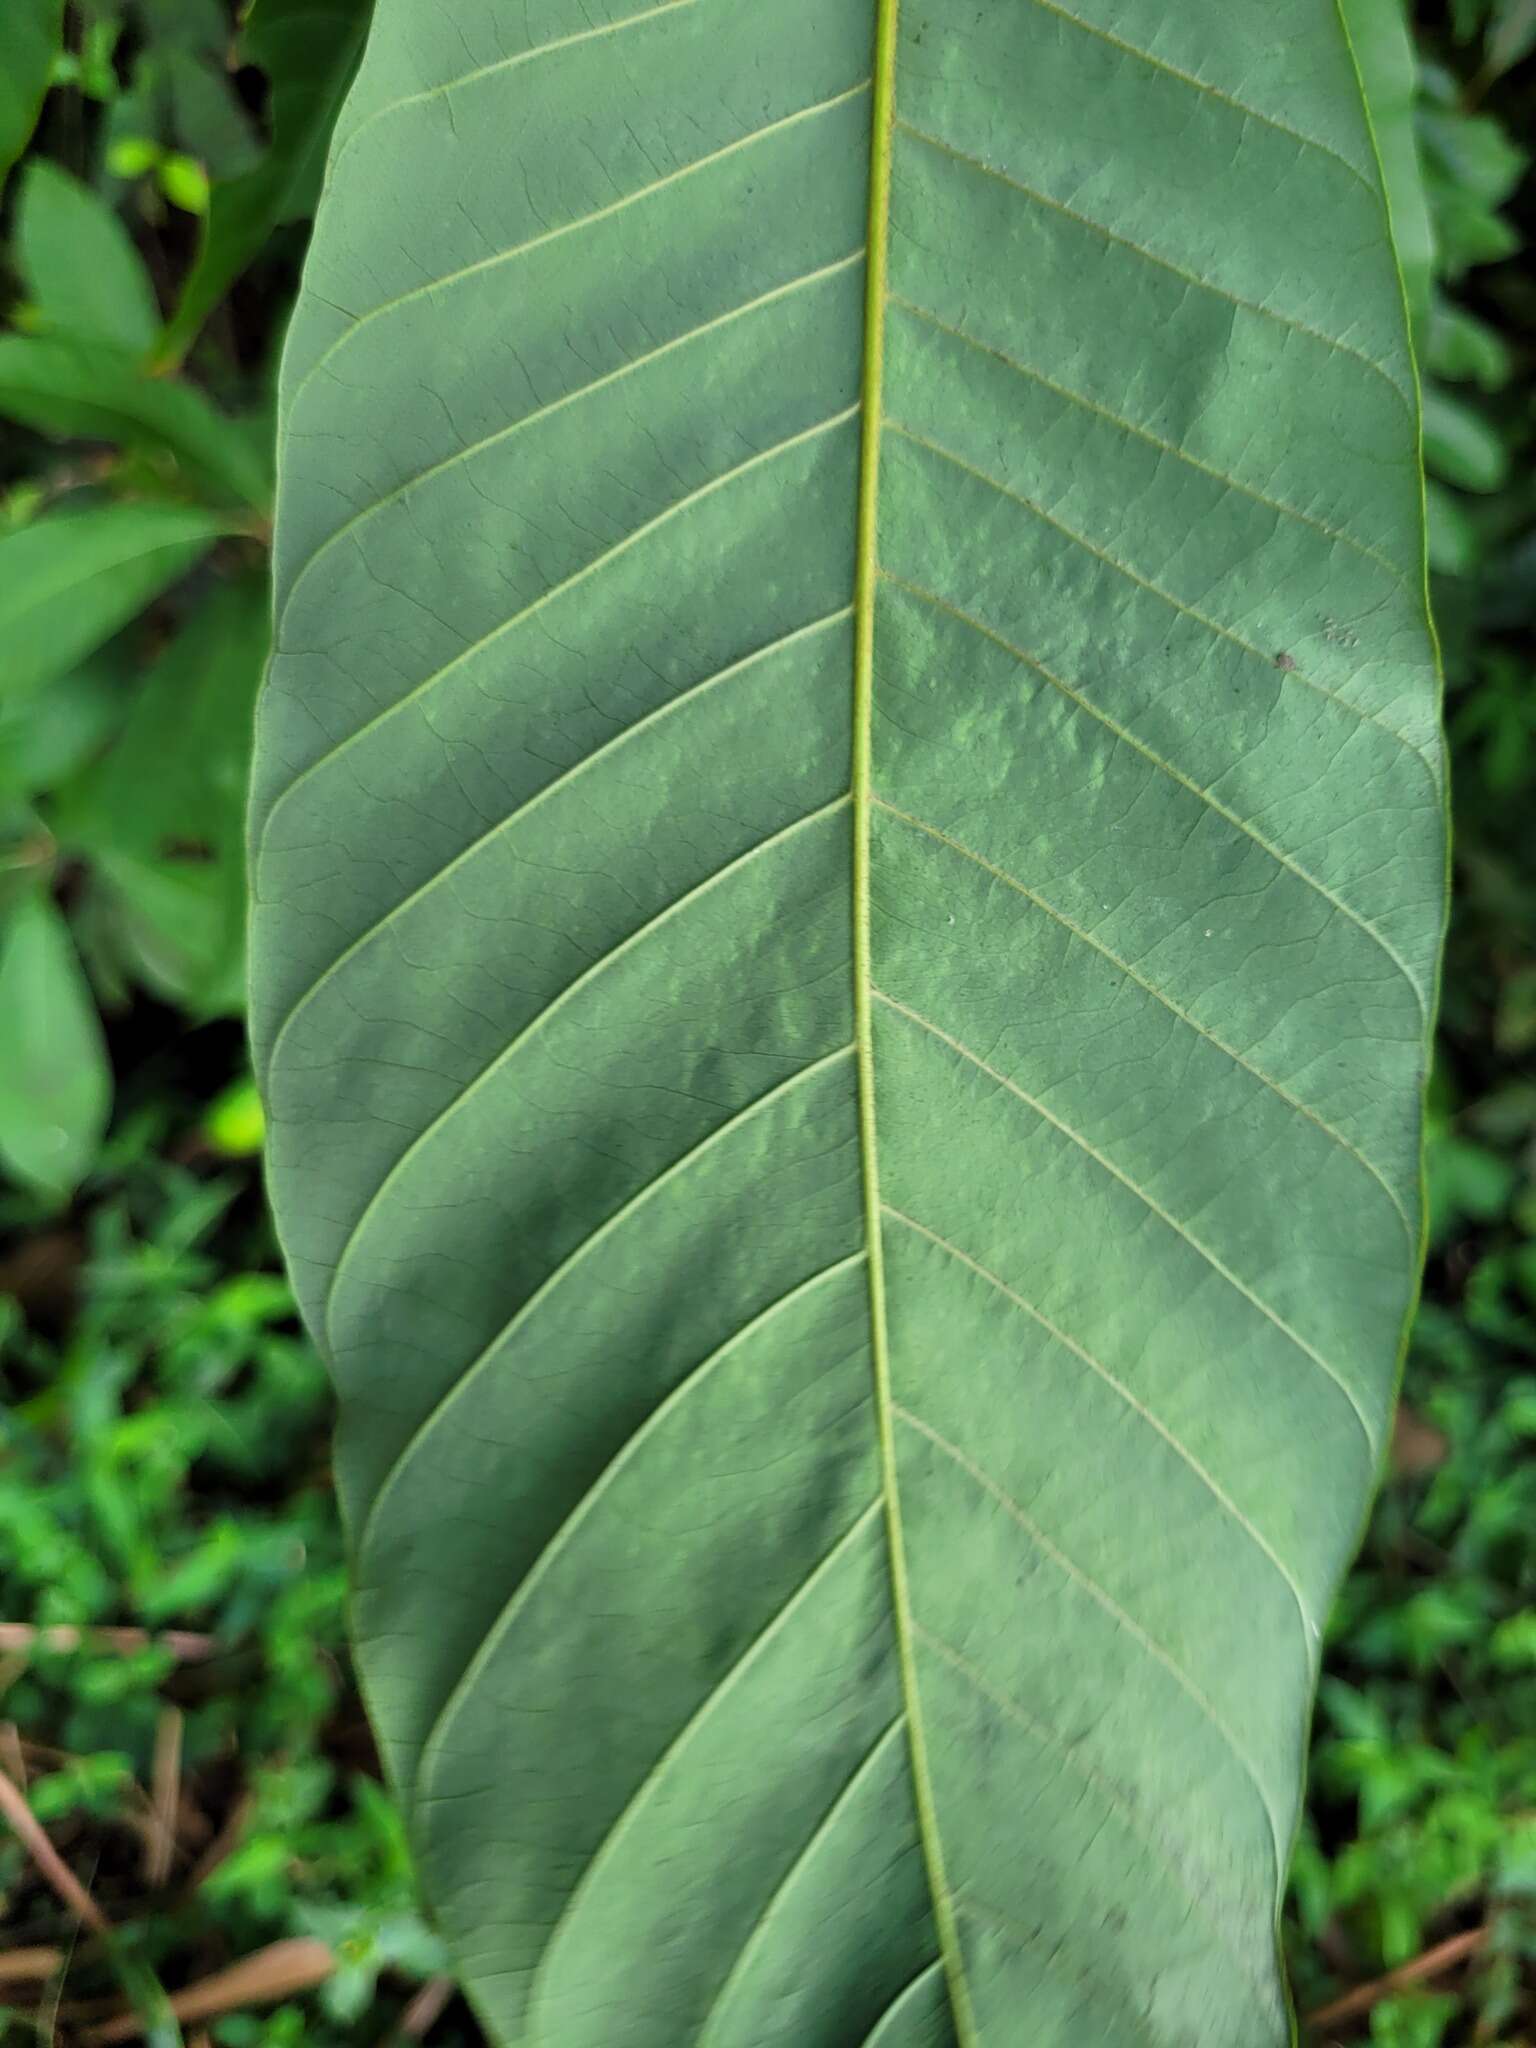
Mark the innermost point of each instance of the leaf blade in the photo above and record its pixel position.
(31, 38)
(57, 1088)
(84, 274)
(77, 389)
(73, 579)
(562, 1078)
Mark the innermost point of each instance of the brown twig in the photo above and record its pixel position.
(165, 1790)
(27, 1965)
(424, 2011)
(50, 1863)
(179, 1643)
(1444, 1956)
(273, 1973)
(13, 1757)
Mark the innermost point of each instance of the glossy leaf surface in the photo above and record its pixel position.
(849, 862)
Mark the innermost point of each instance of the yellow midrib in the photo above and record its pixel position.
(882, 119)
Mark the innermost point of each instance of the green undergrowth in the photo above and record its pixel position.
(165, 1473)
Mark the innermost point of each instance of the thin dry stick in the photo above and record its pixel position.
(13, 1757)
(225, 1842)
(63, 1637)
(26, 1965)
(424, 2010)
(48, 1860)
(1444, 1956)
(273, 1973)
(165, 1793)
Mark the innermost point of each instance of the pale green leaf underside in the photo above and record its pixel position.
(771, 1649)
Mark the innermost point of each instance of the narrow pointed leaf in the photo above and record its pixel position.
(55, 1082)
(308, 50)
(849, 870)
(92, 391)
(83, 274)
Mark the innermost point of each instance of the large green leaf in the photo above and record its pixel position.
(79, 264)
(850, 861)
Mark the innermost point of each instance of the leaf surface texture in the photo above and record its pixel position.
(849, 870)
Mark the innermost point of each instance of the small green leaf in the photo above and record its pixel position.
(1475, 151)
(69, 582)
(308, 49)
(208, 122)
(48, 737)
(80, 265)
(55, 1084)
(1471, 169)
(1465, 349)
(1466, 1180)
(1467, 231)
(130, 156)
(83, 390)
(234, 1124)
(1455, 547)
(94, 72)
(1460, 446)
(31, 37)
(163, 813)
(1417, 2020)
(1513, 1643)
(184, 182)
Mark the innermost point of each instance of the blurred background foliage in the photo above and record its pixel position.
(179, 1733)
